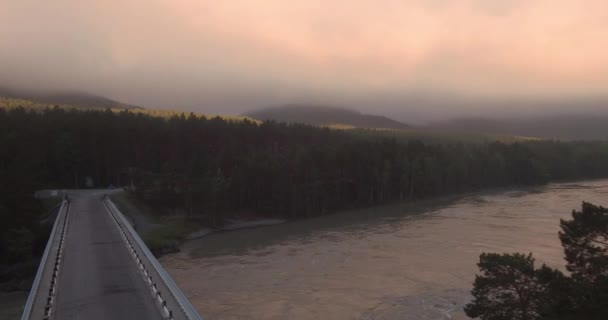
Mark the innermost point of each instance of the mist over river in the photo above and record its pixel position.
(404, 261)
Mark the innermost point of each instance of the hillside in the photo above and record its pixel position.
(562, 127)
(69, 98)
(12, 103)
(326, 116)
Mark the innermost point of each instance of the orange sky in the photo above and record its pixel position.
(284, 50)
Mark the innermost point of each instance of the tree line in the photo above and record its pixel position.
(212, 168)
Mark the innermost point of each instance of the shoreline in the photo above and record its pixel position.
(234, 225)
(409, 205)
(178, 238)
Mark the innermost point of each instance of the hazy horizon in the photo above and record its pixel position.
(473, 57)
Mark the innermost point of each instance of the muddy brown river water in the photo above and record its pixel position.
(404, 261)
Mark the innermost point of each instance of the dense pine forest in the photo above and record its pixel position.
(213, 168)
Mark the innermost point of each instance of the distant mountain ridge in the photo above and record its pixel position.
(562, 127)
(72, 98)
(319, 115)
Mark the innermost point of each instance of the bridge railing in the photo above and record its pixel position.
(40, 301)
(171, 301)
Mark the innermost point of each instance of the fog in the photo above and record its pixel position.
(417, 59)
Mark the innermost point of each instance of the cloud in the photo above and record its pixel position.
(227, 55)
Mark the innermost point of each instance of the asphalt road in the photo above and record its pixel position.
(99, 280)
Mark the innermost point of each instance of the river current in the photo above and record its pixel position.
(403, 261)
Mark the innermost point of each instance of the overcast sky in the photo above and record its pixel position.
(232, 55)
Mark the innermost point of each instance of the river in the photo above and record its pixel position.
(403, 261)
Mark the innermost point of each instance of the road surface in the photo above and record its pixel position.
(99, 280)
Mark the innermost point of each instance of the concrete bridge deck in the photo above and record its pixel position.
(95, 267)
(99, 279)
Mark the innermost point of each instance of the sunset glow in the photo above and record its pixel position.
(332, 49)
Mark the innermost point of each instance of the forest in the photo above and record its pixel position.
(214, 168)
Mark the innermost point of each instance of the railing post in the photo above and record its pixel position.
(171, 301)
(39, 303)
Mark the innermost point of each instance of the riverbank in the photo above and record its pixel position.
(402, 261)
(167, 234)
(164, 234)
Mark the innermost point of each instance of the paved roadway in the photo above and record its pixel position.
(99, 280)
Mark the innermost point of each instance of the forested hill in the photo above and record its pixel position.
(215, 168)
(16, 103)
(563, 127)
(326, 116)
(69, 98)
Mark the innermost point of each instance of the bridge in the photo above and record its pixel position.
(95, 266)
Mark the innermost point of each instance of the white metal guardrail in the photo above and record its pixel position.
(40, 301)
(171, 301)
